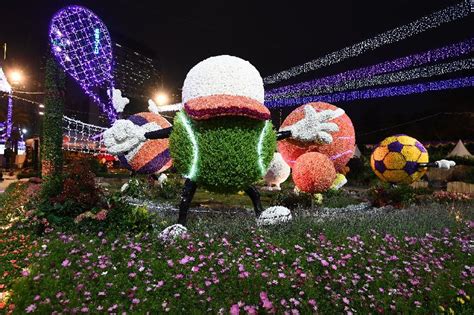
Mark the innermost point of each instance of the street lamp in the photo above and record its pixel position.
(16, 77)
(161, 99)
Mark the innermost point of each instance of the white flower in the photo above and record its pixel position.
(172, 232)
(124, 187)
(223, 74)
(315, 126)
(123, 136)
(162, 179)
(274, 215)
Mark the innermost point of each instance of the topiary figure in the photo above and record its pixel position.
(223, 139)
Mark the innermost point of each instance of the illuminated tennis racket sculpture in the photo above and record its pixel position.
(81, 44)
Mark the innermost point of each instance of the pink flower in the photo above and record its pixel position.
(31, 308)
(324, 263)
(345, 300)
(267, 304)
(135, 301)
(195, 269)
(186, 259)
(234, 309)
(281, 275)
(25, 272)
(66, 263)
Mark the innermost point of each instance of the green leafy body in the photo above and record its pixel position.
(224, 154)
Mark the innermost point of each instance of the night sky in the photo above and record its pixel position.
(273, 37)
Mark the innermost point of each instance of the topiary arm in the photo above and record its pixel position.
(159, 134)
(443, 164)
(281, 135)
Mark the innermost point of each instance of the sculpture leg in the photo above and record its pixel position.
(186, 198)
(254, 195)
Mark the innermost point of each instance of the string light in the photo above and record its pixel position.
(82, 137)
(423, 24)
(376, 93)
(384, 79)
(430, 56)
(81, 43)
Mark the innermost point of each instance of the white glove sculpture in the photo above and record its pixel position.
(445, 164)
(118, 100)
(315, 126)
(123, 136)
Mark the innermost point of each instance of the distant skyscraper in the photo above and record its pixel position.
(135, 74)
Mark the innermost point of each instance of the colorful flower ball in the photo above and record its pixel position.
(152, 156)
(340, 151)
(396, 160)
(313, 172)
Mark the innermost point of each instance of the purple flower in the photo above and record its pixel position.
(31, 308)
(66, 263)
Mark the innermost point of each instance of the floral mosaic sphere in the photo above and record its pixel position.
(152, 156)
(340, 151)
(397, 160)
(313, 172)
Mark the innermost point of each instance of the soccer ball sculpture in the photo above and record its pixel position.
(401, 159)
(223, 139)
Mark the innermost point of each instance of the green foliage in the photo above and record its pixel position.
(123, 216)
(460, 160)
(360, 172)
(469, 176)
(52, 140)
(395, 195)
(96, 167)
(337, 199)
(228, 157)
(171, 188)
(137, 187)
(292, 200)
(12, 200)
(375, 252)
(65, 197)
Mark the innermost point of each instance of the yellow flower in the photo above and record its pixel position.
(460, 300)
(451, 311)
(468, 297)
(441, 308)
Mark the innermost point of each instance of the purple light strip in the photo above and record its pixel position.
(376, 93)
(9, 116)
(450, 51)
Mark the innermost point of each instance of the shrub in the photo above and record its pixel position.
(124, 216)
(171, 188)
(64, 198)
(394, 195)
(337, 199)
(292, 200)
(136, 187)
(450, 196)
